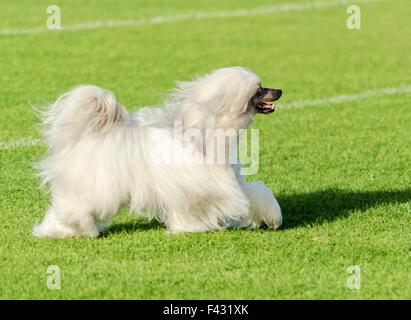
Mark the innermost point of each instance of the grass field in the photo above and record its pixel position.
(340, 171)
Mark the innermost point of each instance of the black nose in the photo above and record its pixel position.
(279, 92)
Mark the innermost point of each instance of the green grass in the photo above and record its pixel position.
(340, 172)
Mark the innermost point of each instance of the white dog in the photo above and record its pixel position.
(100, 158)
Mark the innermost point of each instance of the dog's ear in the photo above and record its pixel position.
(194, 125)
(194, 117)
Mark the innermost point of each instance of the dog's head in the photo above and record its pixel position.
(239, 90)
(226, 98)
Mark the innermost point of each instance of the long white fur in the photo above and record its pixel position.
(100, 158)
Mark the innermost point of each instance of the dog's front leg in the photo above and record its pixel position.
(264, 208)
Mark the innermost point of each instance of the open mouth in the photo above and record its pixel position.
(265, 107)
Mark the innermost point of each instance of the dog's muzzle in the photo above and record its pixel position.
(266, 98)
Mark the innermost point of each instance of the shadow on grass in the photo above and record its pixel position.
(302, 209)
(133, 226)
(316, 207)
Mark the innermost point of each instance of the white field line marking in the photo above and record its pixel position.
(14, 144)
(28, 142)
(346, 97)
(286, 7)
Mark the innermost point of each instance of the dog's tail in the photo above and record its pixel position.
(84, 111)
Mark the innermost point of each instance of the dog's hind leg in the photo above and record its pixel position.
(67, 218)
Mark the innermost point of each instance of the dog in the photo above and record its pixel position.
(100, 157)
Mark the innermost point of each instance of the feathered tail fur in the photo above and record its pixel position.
(83, 111)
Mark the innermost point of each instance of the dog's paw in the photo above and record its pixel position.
(271, 215)
(266, 208)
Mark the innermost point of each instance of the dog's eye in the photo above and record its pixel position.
(259, 91)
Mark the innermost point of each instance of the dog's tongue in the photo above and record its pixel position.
(267, 106)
